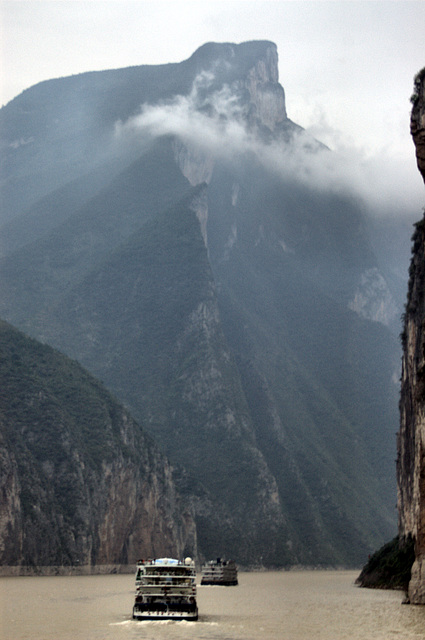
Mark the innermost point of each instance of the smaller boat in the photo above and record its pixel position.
(220, 572)
(165, 590)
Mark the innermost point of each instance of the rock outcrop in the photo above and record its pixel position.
(372, 299)
(417, 121)
(411, 437)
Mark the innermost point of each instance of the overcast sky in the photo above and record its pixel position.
(347, 67)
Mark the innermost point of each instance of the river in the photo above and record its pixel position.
(292, 605)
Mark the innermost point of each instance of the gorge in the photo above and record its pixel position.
(165, 227)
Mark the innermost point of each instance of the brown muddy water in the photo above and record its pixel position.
(293, 605)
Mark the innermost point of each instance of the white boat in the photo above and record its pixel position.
(220, 572)
(165, 590)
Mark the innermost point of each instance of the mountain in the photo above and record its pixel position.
(165, 226)
(81, 483)
(411, 436)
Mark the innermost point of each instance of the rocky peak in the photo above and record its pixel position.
(238, 81)
(251, 71)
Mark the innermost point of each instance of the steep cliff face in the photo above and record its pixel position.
(411, 438)
(235, 85)
(80, 482)
(266, 95)
(417, 121)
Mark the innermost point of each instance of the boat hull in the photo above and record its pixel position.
(191, 616)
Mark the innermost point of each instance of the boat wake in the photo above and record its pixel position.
(158, 623)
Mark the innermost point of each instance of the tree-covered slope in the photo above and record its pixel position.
(81, 483)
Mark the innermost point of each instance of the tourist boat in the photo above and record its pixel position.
(165, 589)
(220, 572)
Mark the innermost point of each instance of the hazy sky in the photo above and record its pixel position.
(347, 67)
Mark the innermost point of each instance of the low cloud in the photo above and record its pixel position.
(215, 124)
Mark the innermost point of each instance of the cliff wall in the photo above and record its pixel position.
(249, 92)
(411, 438)
(417, 121)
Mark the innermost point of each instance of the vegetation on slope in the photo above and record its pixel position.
(389, 567)
(79, 476)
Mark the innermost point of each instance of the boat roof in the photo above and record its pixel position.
(166, 561)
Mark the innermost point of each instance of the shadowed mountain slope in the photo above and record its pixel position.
(177, 250)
